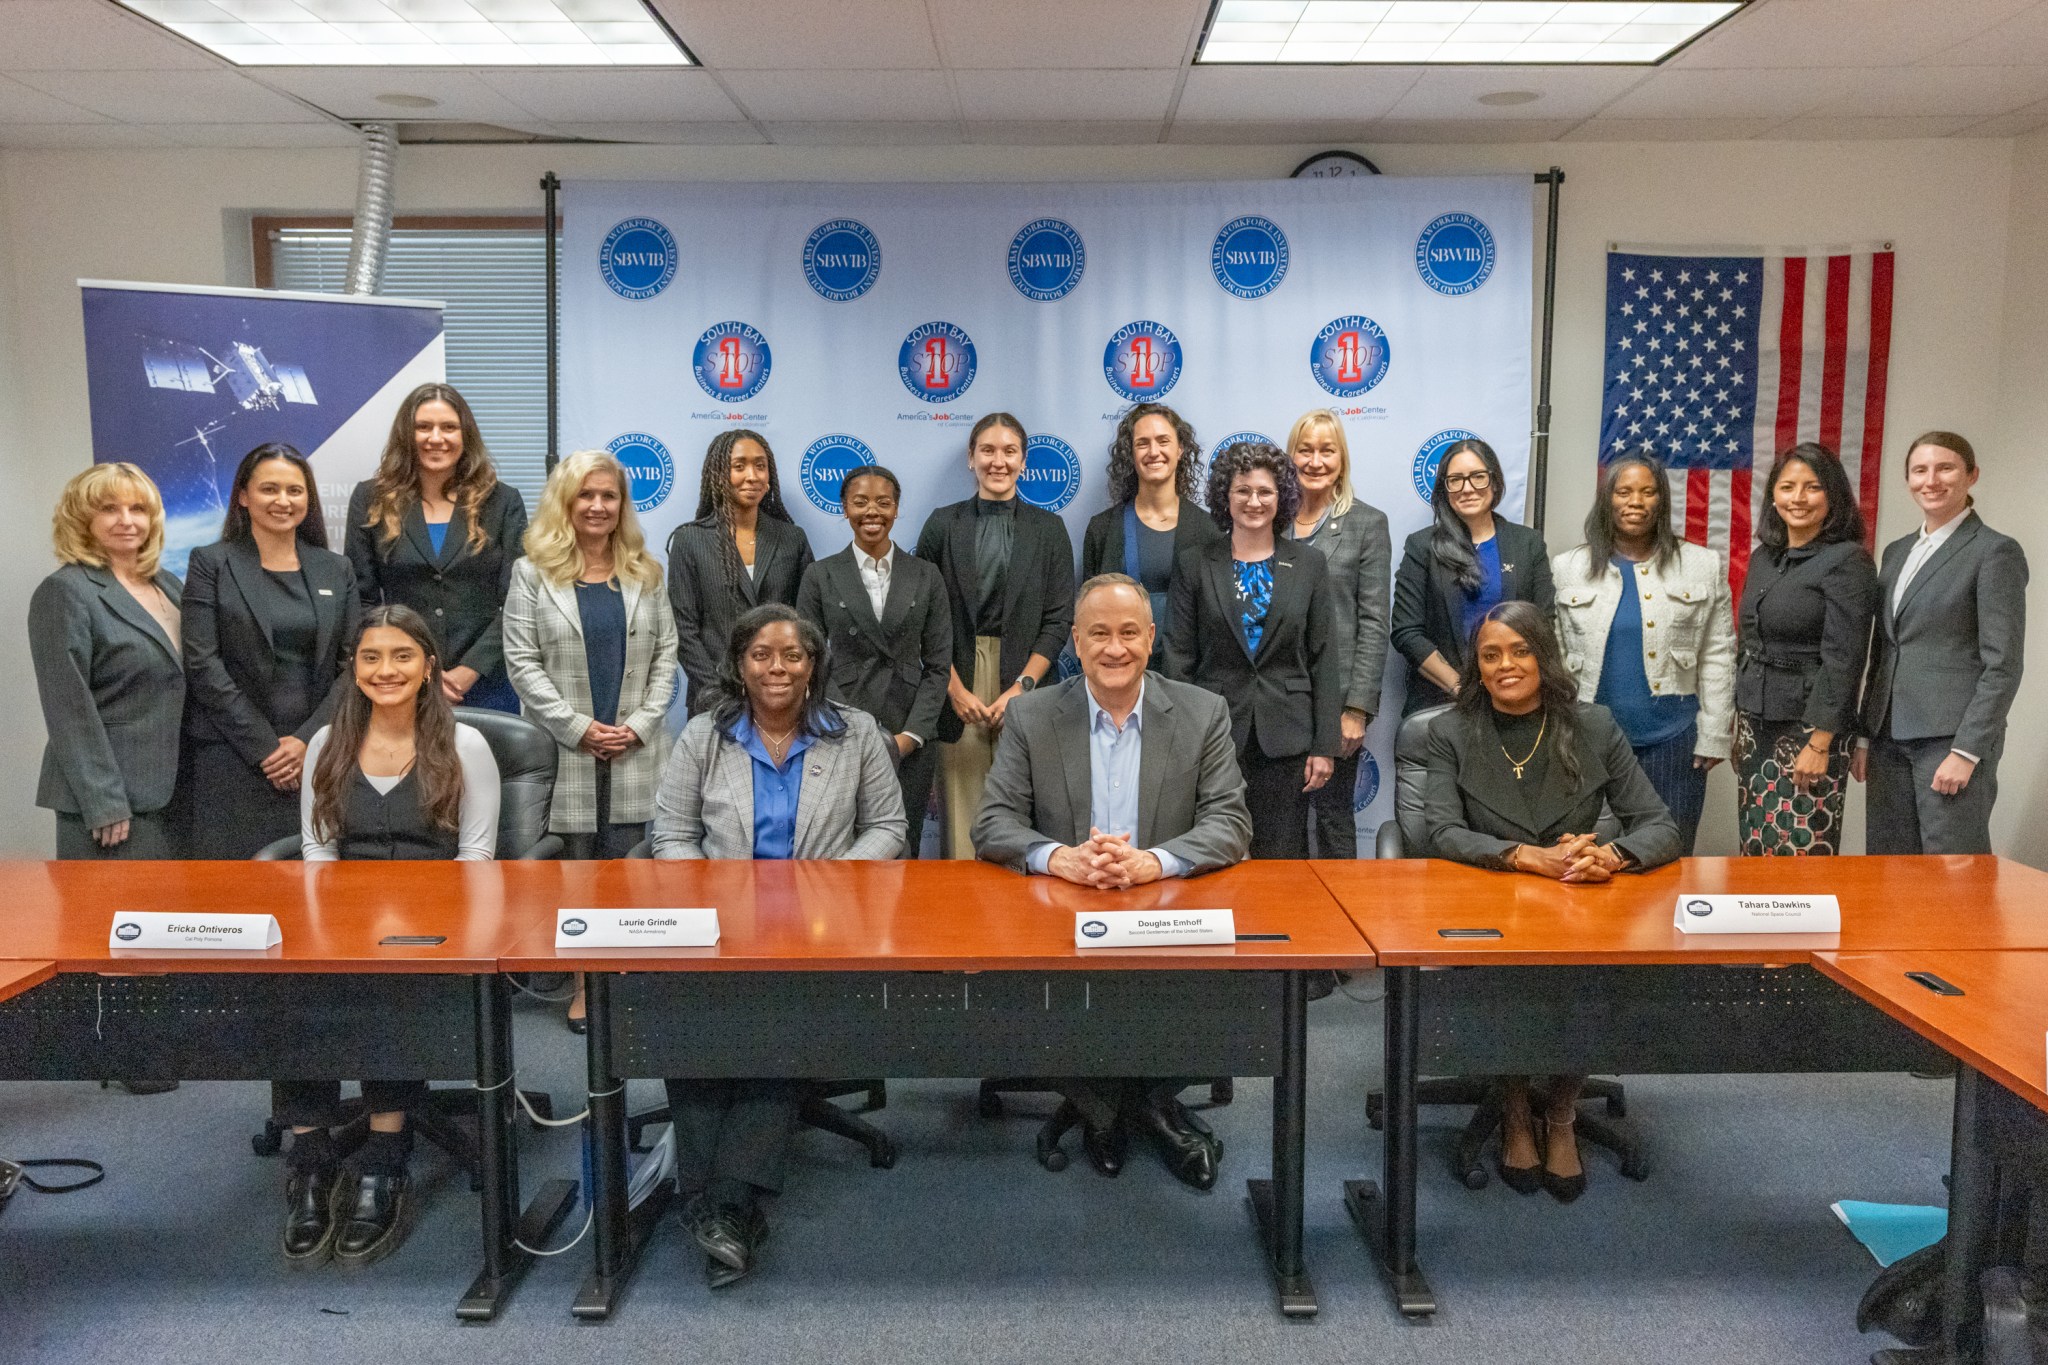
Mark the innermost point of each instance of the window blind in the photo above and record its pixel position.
(494, 283)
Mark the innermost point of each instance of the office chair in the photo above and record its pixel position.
(817, 1111)
(526, 756)
(1406, 836)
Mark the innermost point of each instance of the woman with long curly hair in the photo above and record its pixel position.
(1155, 471)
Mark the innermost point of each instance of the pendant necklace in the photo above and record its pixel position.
(1544, 725)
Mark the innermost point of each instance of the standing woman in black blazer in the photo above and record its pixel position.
(1153, 519)
(103, 636)
(889, 634)
(1802, 637)
(1455, 571)
(269, 610)
(741, 552)
(437, 532)
(1256, 627)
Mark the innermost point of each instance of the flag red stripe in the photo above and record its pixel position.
(1834, 361)
(1873, 401)
(1698, 490)
(1738, 530)
(1791, 328)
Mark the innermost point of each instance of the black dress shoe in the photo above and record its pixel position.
(718, 1231)
(1189, 1150)
(309, 1215)
(1106, 1148)
(372, 1213)
(1563, 1188)
(579, 1024)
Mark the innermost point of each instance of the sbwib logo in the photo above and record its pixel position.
(638, 258)
(842, 259)
(1052, 473)
(1454, 254)
(1249, 257)
(650, 469)
(1046, 260)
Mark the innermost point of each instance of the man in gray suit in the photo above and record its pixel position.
(1951, 640)
(1109, 780)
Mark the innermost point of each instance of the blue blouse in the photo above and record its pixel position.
(776, 790)
(1644, 716)
(602, 608)
(437, 533)
(1477, 604)
(1254, 598)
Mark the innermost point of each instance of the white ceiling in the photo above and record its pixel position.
(86, 73)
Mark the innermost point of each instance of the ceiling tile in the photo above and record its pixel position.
(666, 134)
(842, 134)
(75, 35)
(2020, 41)
(259, 134)
(1236, 133)
(868, 35)
(1469, 130)
(1844, 32)
(1776, 93)
(1080, 133)
(1854, 129)
(64, 135)
(1303, 94)
(1077, 95)
(599, 95)
(1605, 129)
(815, 96)
(1068, 33)
(1917, 91)
(351, 92)
(149, 97)
(1566, 92)
(2011, 125)
(21, 104)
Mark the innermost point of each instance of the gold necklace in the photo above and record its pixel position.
(1541, 727)
(778, 745)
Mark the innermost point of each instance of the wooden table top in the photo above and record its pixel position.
(1887, 904)
(1999, 1024)
(935, 916)
(16, 977)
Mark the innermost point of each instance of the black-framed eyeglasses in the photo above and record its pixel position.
(1457, 483)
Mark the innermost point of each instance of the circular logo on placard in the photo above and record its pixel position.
(1093, 928)
(1250, 256)
(1046, 259)
(1368, 785)
(731, 362)
(638, 258)
(573, 927)
(1349, 355)
(1431, 457)
(1699, 909)
(936, 362)
(1239, 438)
(842, 259)
(1454, 254)
(650, 469)
(128, 932)
(824, 468)
(1142, 360)
(1052, 473)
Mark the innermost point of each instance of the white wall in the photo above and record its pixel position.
(1949, 207)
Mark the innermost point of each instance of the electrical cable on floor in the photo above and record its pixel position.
(1373, 998)
(525, 989)
(588, 1218)
(550, 1123)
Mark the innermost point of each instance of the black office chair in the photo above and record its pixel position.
(817, 1111)
(1406, 836)
(525, 755)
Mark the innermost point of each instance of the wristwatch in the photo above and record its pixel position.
(1025, 682)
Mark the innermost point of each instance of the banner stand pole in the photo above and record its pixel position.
(1539, 460)
(550, 185)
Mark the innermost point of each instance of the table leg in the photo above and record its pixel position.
(498, 1164)
(1972, 1209)
(1388, 1221)
(619, 1234)
(1276, 1203)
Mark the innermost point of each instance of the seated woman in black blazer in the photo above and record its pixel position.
(1518, 773)
(1255, 625)
(434, 530)
(394, 777)
(1155, 464)
(741, 552)
(269, 612)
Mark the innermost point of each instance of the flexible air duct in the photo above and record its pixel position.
(373, 209)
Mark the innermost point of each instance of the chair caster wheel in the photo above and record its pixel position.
(266, 1144)
(1222, 1092)
(1375, 1112)
(883, 1158)
(1474, 1179)
(1054, 1160)
(1636, 1169)
(989, 1105)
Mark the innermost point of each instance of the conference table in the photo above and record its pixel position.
(385, 971)
(16, 977)
(1581, 980)
(942, 969)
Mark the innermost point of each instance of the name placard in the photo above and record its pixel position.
(1725, 914)
(639, 928)
(1152, 928)
(213, 933)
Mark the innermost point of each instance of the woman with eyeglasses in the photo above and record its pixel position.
(1454, 571)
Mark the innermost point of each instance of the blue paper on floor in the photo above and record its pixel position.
(1892, 1231)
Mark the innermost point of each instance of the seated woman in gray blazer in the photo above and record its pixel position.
(1518, 772)
(772, 770)
(103, 637)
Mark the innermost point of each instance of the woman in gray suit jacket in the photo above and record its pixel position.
(1353, 538)
(773, 770)
(103, 636)
(1944, 665)
(269, 614)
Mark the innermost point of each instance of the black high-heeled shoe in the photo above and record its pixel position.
(1563, 1188)
(1520, 1179)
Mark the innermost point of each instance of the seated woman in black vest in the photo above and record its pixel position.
(393, 777)
(1518, 772)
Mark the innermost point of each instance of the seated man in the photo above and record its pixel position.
(1164, 800)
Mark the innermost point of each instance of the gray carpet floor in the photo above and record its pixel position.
(967, 1250)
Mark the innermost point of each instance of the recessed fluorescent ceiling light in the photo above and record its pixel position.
(421, 32)
(1456, 32)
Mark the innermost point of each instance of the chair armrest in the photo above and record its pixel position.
(546, 848)
(281, 850)
(1388, 844)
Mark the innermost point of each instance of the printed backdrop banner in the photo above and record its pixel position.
(184, 381)
(858, 323)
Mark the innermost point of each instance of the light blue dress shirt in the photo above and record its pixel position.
(1113, 755)
(776, 790)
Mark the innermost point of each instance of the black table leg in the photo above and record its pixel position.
(498, 1164)
(619, 1234)
(1276, 1203)
(1972, 1210)
(1388, 1221)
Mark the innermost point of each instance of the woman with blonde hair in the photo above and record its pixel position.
(103, 637)
(1354, 540)
(434, 530)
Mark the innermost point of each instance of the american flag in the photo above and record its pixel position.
(1718, 363)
